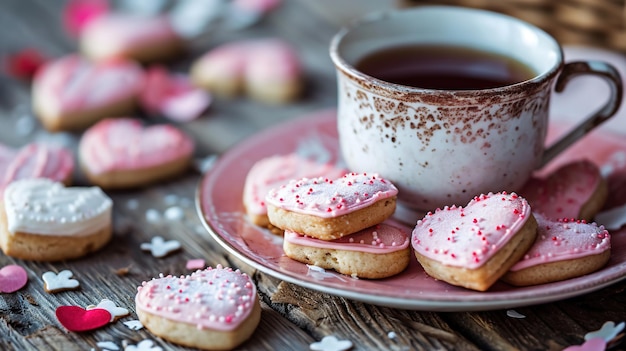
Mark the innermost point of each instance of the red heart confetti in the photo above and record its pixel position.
(77, 13)
(12, 278)
(24, 63)
(75, 318)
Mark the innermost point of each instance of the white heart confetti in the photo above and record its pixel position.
(108, 345)
(115, 311)
(57, 282)
(515, 314)
(608, 331)
(331, 343)
(133, 325)
(143, 345)
(159, 247)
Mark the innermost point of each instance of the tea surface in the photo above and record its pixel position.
(444, 67)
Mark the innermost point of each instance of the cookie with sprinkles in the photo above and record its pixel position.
(474, 246)
(212, 309)
(564, 249)
(42, 220)
(376, 252)
(329, 209)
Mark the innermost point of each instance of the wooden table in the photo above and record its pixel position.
(293, 317)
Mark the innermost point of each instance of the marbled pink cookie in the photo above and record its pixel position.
(575, 190)
(142, 38)
(36, 161)
(562, 241)
(73, 93)
(214, 300)
(473, 246)
(267, 69)
(124, 145)
(380, 239)
(274, 171)
(326, 198)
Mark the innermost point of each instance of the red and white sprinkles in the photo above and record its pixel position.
(327, 198)
(215, 298)
(468, 237)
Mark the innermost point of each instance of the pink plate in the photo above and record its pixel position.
(219, 204)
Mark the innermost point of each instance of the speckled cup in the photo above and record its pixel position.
(444, 147)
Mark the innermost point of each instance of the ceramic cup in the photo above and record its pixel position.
(443, 147)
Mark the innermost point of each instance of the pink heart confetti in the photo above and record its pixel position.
(77, 13)
(12, 278)
(595, 344)
(78, 319)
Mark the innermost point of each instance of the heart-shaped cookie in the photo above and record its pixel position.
(319, 207)
(274, 171)
(563, 249)
(73, 92)
(474, 246)
(266, 69)
(78, 319)
(131, 154)
(12, 278)
(213, 300)
(574, 190)
(36, 161)
(325, 197)
(44, 207)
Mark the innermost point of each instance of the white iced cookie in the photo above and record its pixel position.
(42, 220)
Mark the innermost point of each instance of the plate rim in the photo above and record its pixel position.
(417, 303)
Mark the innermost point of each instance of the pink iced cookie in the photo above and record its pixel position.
(328, 209)
(274, 171)
(474, 246)
(141, 38)
(575, 190)
(35, 161)
(121, 153)
(268, 70)
(564, 249)
(173, 95)
(214, 309)
(73, 93)
(376, 252)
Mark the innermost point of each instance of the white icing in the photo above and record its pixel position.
(42, 206)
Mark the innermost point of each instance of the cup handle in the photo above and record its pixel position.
(572, 70)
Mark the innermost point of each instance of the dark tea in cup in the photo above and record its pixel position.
(444, 67)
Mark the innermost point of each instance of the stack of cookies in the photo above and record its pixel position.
(338, 224)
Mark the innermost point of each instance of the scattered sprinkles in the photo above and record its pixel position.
(153, 215)
(59, 282)
(331, 343)
(158, 247)
(174, 213)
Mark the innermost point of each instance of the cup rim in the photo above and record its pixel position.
(354, 73)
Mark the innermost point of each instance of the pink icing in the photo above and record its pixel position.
(468, 237)
(214, 298)
(564, 192)
(563, 239)
(123, 143)
(327, 198)
(73, 83)
(173, 95)
(35, 161)
(114, 34)
(380, 239)
(261, 59)
(274, 171)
